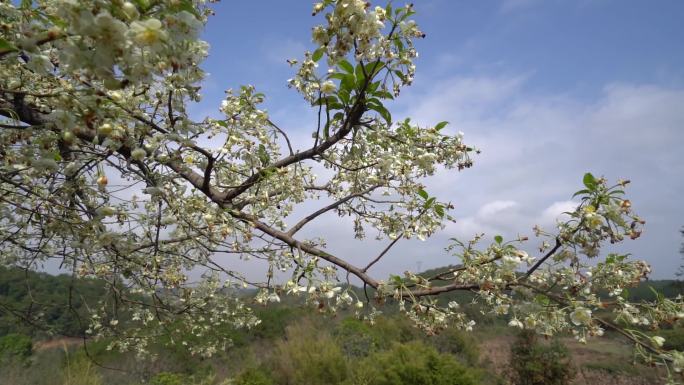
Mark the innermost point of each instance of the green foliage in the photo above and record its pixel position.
(166, 378)
(307, 358)
(15, 347)
(534, 363)
(80, 370)
(274, 320)
(674, 338)
(356, 338)
(253, 376)
(61, 300)
(459, 344)
(413, 363)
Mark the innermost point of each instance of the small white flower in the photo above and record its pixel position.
(106, 211)
(138, 154)
(658, 340)
(273, 297)
(581, 316)
(130, 10)
(328, 87)
(515, 323)
(678, 361)
(148, 32)
(318, 7)
(105, 129)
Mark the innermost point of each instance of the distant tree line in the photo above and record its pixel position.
(38, 304)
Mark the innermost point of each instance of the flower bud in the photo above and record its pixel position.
(105, 129)
(130, 10)
(102, 180)
(138, 154)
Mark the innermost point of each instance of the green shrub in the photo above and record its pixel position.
(306, 357)
(412, 363)
(15, 347)
(80, 370)
(274, 320)
(166, 378)
(253, 376)
(356, 338)
(458, 343)
(674, 338)
(533, 363)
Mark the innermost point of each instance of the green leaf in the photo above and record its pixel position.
(263, 155)
(580, 192)
(441, 125)
(360, 77)
(439, 209)
(590, 181)
(348, 83)
(344, 96)
(143, 5)
(318, 54)
(498, 239)
(400, 75)
(429, 202)
(382, 111)
(372, 87)
(346, 66)
(6, 46)
(399, 44)
(423, 194)
(373, 68)
(182, 5)
(384, 95)
(542, 299)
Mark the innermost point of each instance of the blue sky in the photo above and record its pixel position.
(548, 89)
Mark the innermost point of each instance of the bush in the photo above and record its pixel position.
(356, 338)
(674, 338)
(458, 343)
(413, 363)
(533, 363)
(253, 376)
(166, 378)
(15, 347)
(308, 358)
(80, 370)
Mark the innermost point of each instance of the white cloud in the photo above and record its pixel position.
(536, 147)
(555, 212)
(492, 209)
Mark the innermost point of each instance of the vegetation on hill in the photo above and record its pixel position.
(40, 304)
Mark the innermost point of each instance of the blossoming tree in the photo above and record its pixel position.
(102, 169)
